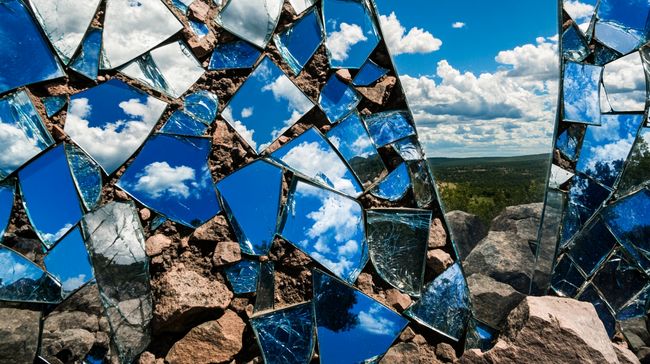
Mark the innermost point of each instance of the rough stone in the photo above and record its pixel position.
(407, 335)
(397, 299)
(380, 92)
(199, 10)
(211, 342)
(403, 353)
(644, 355)
(19, 332)
(214, 230)
(492, 301)
(446, 352)
(145, 214)
(624, 355)
(635, 332)
(364, 282)
(467, 230)
(344, 75)
(437, 234)
(155, 244)
(439, 260)
(185, 294)
(523, 220)
(550, 330)
(226, 252)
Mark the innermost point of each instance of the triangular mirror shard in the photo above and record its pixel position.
(479, 335)
(54, 104)
(69, 262)
(397, 243)
(351, 327)
(444, 306)
(26, 57)
(46, 185)
(87, 61)
(182, 123)
(251, 20)
(251, 199)
(369, 73)
(265, 293)
(115, 241)
(286, 336)
(170, 175)
(203, 105)
(301, 5)
(171, 69)
(234, 55)
(27, 135)
(111, 121)
(87, 175)
(338, 99)
(328, 227)
(243, 275)
(65, 22)
(23, 281)
(132, 28)
(636, 172)
(298, 43)
(395, 185)
(7, 194)
(311, 155)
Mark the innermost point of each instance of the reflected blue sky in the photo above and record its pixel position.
(243, 275)
(298, 43)
(369, 73)
(23, 281)
(69, 262)
(265, 106)
(351, 33)
(234, 55)
(581, 93)
(251, 198)
(337, 99)
(389, 126)
(171, 176)
(7, 191)
(351, 326)
(395, 185)
(252, 20)
(110, 121)
(328, 227)
(46, 185)
(311, 155)
(87, 61)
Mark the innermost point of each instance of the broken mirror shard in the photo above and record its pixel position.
(200, 29)
(23, 281)
(622, 25)
(251, 199)
(265, 106)
(558, 176)
(126, 37)
(111, 121)
(584, 198)
(409, 149)
(574, 44)
(636, 173)
(46, 185)
(566, 279)
(389, 126)
(115, 241)
(479, 335)
(351, 327)
(592, 246)
(619, 279)
(265, 294)
(312, 155)
(286, 336)
(605, 147)
(328, 227)
(422, 183)
(203, 105)
(589, 294)
(567, 142)
(352, 140)
(444, 306)
(338, 99)
(7, 193)
(65, 22)
(243, 276)
(397, 245)
(26, 57)
(86, 62)
(54, 104)
(26, 133)
(350, 32)
(301, 5)
(629, 220)
(251, 20)
(234, 55)
(298, 43)
(86, 174)
(581, 93)
(625, 84)
(170, 175)
(369, 73)
(69, 262)
(394, 186)
(182, 5)
(171, 69)
(182, 123)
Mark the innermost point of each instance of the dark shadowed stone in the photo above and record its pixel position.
(492, 301)
(466, 229)
(19, 334)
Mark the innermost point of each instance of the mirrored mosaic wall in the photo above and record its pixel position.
(598, 198)
(173, 171)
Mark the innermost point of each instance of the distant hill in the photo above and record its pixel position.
(447, 162)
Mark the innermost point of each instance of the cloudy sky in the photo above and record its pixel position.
(481, 78)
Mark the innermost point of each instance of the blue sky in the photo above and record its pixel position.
(481, 78)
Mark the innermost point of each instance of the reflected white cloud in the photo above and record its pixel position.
(17, 147)
(625, 83)
(340, 42)
(53, 238)
(159, 178)
(579, 11)
(11, 270)
(252, 20)
(399, 41)
(73, 283)
(371, 321)
(458, 25)
(149, 23)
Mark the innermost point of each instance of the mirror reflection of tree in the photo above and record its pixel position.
(334, 306)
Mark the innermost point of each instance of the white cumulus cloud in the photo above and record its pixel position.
(458, 25)
(340, 42)
(399, 41)
(371, 322)
(159, 178)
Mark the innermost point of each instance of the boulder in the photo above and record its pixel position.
(550, 330)
(523, 220)
(226, 252)
(467, 230)
(183, 295)
(439, 260)
(211, 342)
(437, 234)
(635, 332)
(19, 332)
(155, 244)
(404, 353)
(397, 299)
(492, 301)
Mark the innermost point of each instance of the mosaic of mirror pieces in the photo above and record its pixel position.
(598, 196)
(108, 109)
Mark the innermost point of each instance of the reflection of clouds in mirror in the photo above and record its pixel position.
(252, 20)
(581, 92)
(239, 127)
(149, 23)
(72, 283)
(65, 22)
(51, 238)
(110, 144)
(625, 84)
(247, 112)
(12, 270)
(301, 5)
(159, 178)
(416, 40)
(371, 322)
(284, 90)
(340, 42)
(579, 11)
(17, 147)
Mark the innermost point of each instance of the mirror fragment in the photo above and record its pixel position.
(23, 281)
(298, 43)
(338, 99)
(395, 185)
(251, 20)
(234, 55)
(243, 276)
(69, 262)
(369, 73)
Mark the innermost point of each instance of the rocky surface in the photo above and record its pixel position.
(19, 332)
(467, 230)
